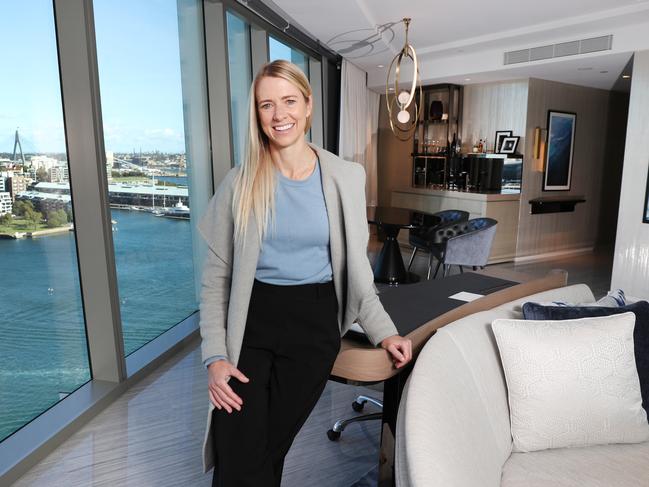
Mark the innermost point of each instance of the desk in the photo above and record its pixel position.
(389, 267)
(418, 311)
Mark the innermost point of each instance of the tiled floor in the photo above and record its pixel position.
(151, 436)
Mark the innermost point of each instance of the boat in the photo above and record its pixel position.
(177, 211)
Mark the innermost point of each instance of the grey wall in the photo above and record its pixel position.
(631, 261)
(554, 232)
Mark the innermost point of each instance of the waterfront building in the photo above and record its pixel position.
(17, 183)
(46, 202)
(5, 203)
(59, 174)
(130, 194)
(2, 182)
(44, 162)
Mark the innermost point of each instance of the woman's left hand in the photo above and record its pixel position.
(400, 348)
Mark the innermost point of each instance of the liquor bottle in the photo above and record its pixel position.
(453, 148)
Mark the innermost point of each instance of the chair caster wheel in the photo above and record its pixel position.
(333, 435)
(358, 406)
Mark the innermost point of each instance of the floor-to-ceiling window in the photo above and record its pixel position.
(240, 72)
(147, 168)
(43, 348)
(279, 50)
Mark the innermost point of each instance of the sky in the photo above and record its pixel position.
(139, 74)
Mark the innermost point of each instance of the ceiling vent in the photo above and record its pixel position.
(572, 48)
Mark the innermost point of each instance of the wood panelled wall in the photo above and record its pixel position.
(489, 107)
(554, 232)
(631, 261)
(393, 159)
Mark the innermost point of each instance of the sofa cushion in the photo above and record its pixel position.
(571, 383)
(613, 299)
(595, 466)
(533, 311)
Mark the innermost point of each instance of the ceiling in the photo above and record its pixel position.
(467, 38)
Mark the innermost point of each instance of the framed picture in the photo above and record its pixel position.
(500, 134)
(645, 214)
(559, 153)
(509, 145)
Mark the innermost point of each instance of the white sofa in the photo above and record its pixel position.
(453, 427)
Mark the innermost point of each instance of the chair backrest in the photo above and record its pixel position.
(443, 218)
(453, 426)
(473, 246)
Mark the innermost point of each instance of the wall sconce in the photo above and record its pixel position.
(539, 142)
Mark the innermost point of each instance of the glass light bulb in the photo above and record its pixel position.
(403, 116)
(403, 97)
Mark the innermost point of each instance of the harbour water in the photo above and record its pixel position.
(43, 350)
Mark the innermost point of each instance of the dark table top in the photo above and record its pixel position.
(416, 304)
(401, 217)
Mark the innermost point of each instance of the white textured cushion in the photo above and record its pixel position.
(571, 383)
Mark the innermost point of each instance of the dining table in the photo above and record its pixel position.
(389, 267)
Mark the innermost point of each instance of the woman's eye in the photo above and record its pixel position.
(291, 102)
(265, 106)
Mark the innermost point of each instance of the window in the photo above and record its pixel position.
(240, 71)
(279, 50)
(43, 350)
(147, 165)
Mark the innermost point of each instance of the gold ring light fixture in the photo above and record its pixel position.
(403, 117)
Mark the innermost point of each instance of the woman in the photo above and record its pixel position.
(285, 276)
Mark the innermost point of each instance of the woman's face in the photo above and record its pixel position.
(282, 111)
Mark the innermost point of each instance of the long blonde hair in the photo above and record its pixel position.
(254, 189)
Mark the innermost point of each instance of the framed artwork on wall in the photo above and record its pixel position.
(645, 213)
(560, 149)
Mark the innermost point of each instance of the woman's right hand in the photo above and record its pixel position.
(221, 394)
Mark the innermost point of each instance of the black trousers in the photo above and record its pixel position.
(290, 344)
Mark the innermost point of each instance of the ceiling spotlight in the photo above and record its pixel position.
(380, 66)
(626, 76)
(467, 79)
(603, 72)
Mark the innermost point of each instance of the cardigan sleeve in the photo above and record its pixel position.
(216, 227)
(372, 317)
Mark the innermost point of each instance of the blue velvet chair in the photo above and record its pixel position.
(464, 244)
(427, 239)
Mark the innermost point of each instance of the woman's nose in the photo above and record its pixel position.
(279, 114)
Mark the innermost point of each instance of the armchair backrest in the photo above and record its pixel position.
(472, 246)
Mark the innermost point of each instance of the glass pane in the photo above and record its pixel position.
(240, 69)
(43, 348)
(279, 50)
(142, 107)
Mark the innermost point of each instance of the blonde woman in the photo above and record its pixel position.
(285, 276)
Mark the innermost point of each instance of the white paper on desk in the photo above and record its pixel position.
(466, 296)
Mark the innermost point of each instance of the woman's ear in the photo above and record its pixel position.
(309, 106)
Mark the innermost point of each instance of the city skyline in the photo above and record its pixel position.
(140, 88)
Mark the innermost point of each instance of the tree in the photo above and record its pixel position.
(33, 217)
(6, 219)
(22, 206)
(56, 218)
(41, 174)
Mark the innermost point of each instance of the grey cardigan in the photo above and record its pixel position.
(229, 269)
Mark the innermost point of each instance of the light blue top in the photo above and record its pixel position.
(295, 249)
